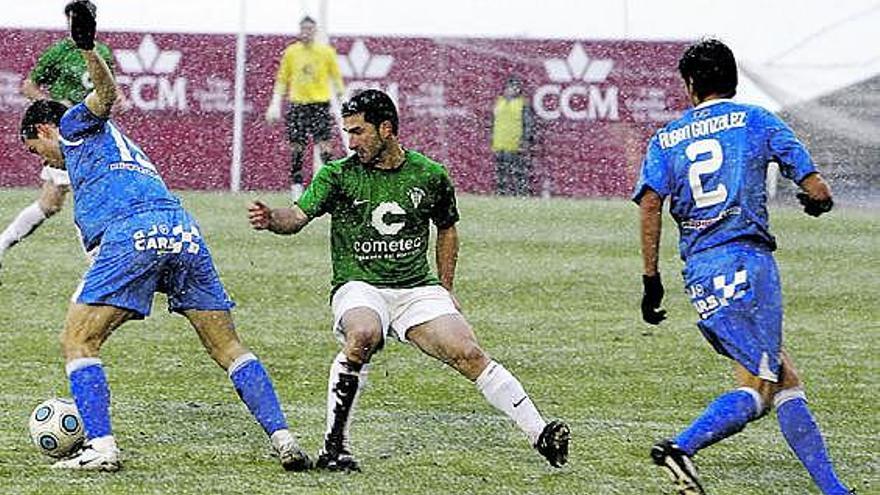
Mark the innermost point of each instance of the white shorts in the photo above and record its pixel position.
(398, 309)
(55, 176)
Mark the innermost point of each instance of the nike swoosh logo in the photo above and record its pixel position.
(517, 403)
(359, 202)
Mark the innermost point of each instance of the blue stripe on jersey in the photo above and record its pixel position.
(111, 177)
(712, 162)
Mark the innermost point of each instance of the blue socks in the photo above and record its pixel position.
(726, 415)
(88, 385)
(730, 412)
(255, 389)
(803, 436)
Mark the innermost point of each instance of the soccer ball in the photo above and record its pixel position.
(56, 428)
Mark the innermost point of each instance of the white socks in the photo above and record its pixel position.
(23, 224)
(500, 388)
(504, 391)
(281, 438)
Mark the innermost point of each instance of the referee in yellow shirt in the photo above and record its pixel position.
(305, 74)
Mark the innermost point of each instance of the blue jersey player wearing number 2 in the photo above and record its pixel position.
(143, 242)
(712, 164)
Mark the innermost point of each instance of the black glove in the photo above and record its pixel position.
(82, 25)
(814, 207)
(651, 299)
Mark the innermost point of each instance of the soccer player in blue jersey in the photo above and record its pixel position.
(143, 242)
(712, 163)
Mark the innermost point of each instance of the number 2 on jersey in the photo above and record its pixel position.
(706, 166)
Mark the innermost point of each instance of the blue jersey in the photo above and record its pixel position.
(111, 177)
(713, 163)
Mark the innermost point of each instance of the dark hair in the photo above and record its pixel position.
(376, 106)
(710, 68)
(514, 82)
(307, 19)
(89, 5)
(40, 112)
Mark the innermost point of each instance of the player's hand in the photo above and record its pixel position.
(814, 207)
(82, 26)
(273, 111)
(259, 215)
(651, 299)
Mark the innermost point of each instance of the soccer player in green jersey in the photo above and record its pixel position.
(382, 200)
(61, 72)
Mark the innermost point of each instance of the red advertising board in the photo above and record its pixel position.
(595, 104)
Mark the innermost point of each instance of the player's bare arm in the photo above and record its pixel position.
(651, 209)
(82, 31)
(100, 101)
(446, 255)
(283, 221)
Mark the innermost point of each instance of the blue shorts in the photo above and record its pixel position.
(157, 251)
(736, 291)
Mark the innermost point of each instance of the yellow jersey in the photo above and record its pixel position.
(507, 131)
(306, 71)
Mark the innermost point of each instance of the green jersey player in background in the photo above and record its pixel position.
(60, 74)
(382, 200)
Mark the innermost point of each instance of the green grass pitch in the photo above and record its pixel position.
(552, 288)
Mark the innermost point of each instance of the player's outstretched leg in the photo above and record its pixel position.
(255, 389)
(726, 415)
(251, 381)
(678, 464)
(450, 339)
(507, 394)
(344, 386)
(803, 436)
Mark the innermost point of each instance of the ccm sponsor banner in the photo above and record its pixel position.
(595, 104)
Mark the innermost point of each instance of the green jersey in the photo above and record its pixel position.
(380, 219)
(62, 70)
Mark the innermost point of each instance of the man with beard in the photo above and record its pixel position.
(382, 200)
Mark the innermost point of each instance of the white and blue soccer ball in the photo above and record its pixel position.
(56, 427)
